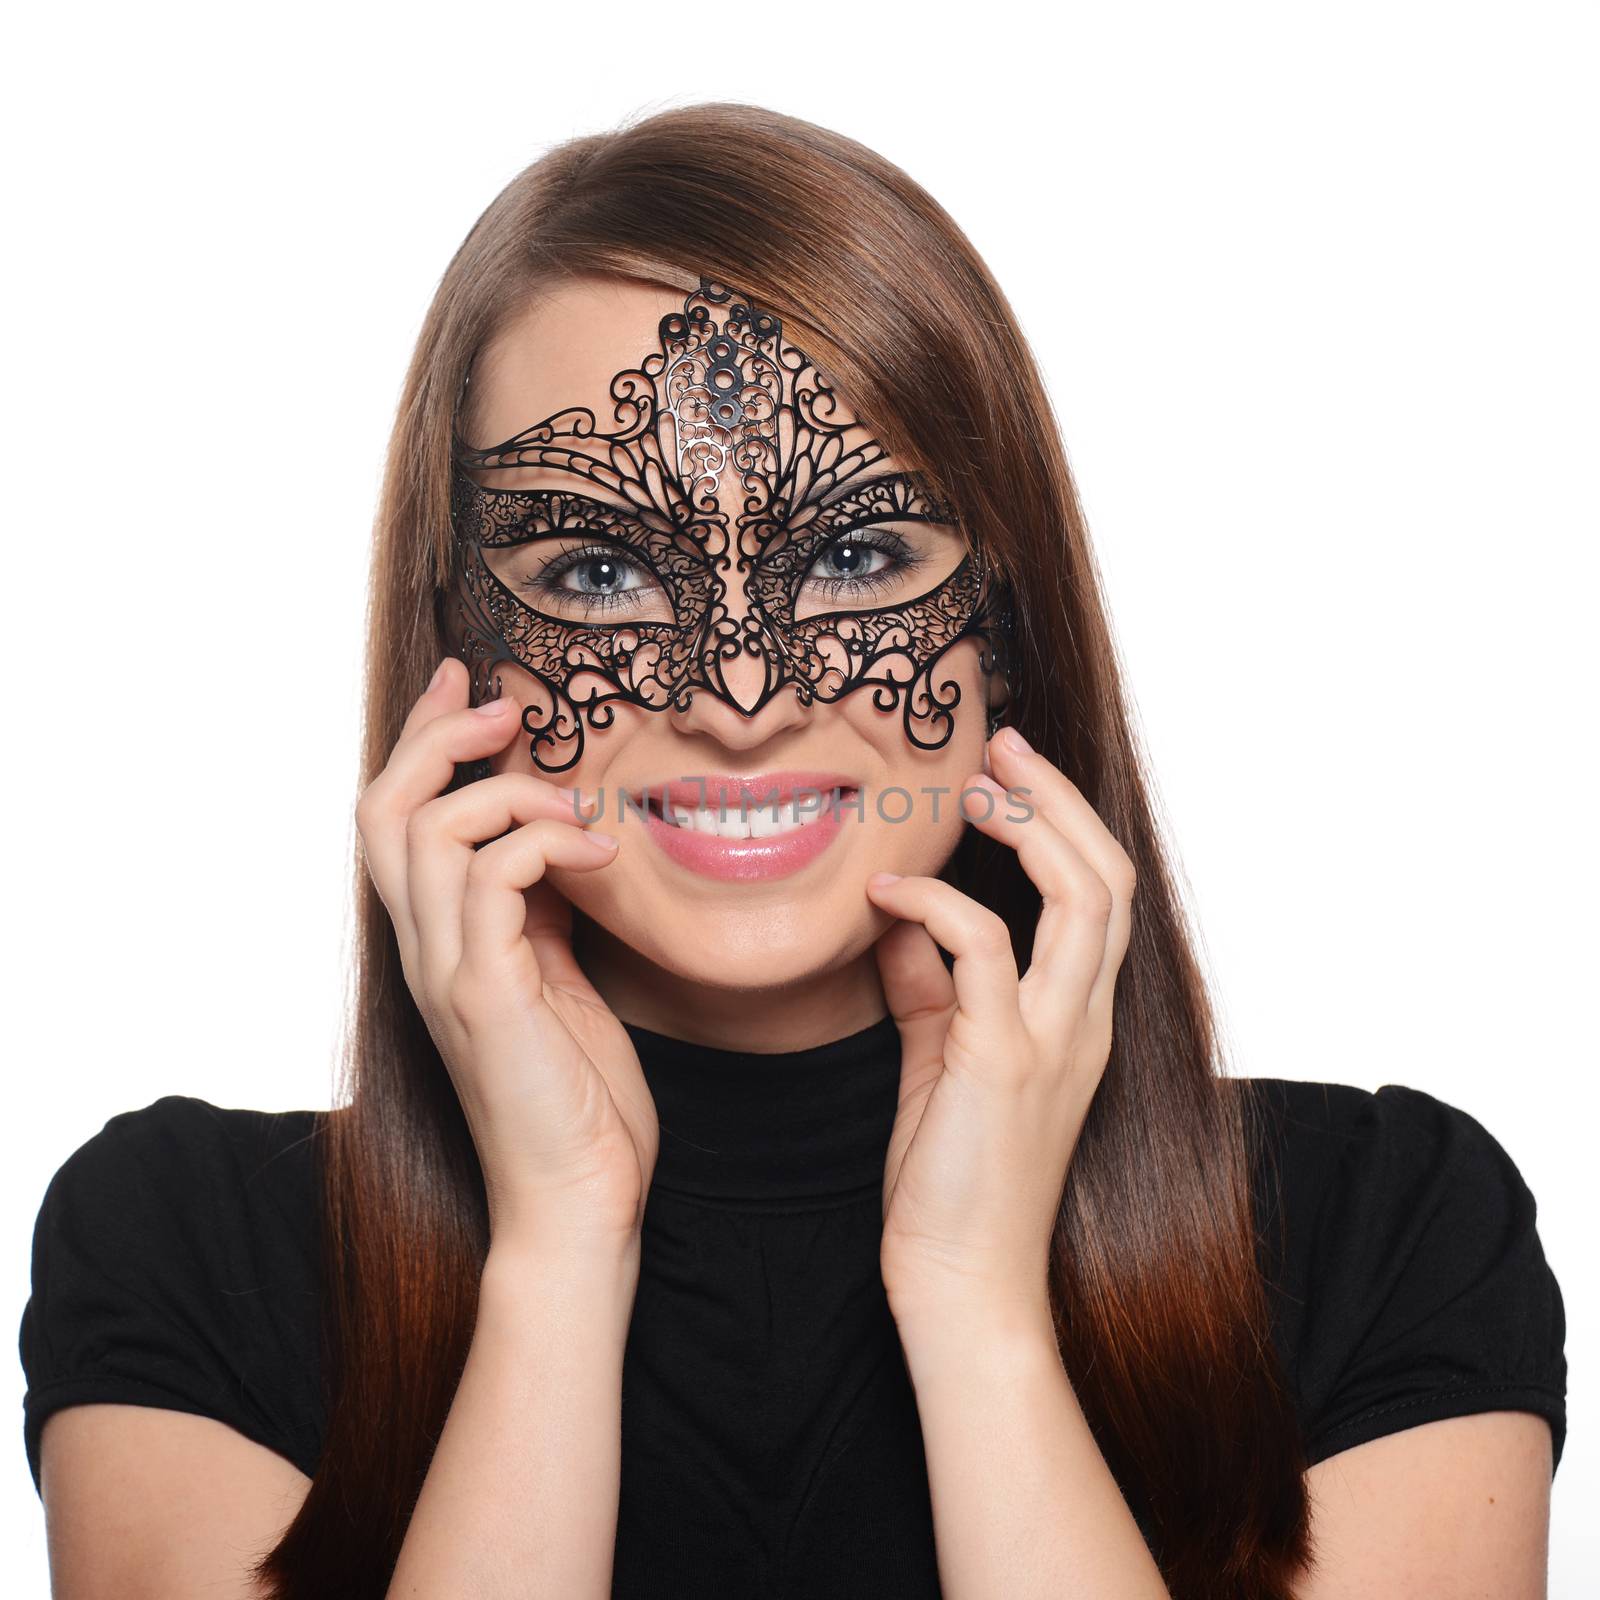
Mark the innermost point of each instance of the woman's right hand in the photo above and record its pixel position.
(563, 1121)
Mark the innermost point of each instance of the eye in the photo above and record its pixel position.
(595, 578)
(862, 562)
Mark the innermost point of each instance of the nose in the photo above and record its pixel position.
(740, 717)
(736, 720)
(739, 730)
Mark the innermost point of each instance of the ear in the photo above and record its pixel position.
(998, 692)
(997, 687)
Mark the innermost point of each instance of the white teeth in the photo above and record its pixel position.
(755, 822)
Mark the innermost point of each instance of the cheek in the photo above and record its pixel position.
(913, 813)
(600, 746)
(958, 675)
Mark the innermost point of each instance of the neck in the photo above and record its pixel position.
(813, 1010)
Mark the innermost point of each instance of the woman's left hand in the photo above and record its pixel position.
(997, 1071)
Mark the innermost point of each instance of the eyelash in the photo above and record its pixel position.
(903, 559)
(547, 581)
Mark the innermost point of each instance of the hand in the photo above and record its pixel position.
(997, 1072)
(563, 1121)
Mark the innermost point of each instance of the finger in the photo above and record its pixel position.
(1052, 792)
(548, 923)
(419, 769)
(442, 834)
(443, 839)
(494, 915)
(424, 759)
(449, 689)
(446, 691)
(921, 996)
(984, 973)
(1069, 942)
(547, 926)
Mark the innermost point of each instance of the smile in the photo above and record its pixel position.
(748, 829)
(760, 822)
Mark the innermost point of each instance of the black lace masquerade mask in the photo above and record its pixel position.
(723, 390)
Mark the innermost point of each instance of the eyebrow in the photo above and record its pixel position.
(917, 482)
(544, 492)
(468, 461)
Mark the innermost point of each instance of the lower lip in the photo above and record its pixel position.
(746, 860)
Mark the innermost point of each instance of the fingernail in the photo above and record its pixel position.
(605, 839)
(1015, 741)
(491, 708)
(438, 673)
(882, 880)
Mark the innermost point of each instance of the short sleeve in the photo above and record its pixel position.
(1423, 1288)
(167, 1272)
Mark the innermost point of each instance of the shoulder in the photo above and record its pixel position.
(180, 1140)
(1401, 1247)
(1391, 1156)
(186, 1178)
(175, 1263)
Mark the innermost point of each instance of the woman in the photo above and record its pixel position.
(786, 1148)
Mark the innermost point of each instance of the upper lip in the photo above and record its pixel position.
(726, 792)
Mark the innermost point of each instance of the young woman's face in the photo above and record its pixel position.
(790, 902)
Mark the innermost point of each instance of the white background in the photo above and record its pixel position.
(1314, 293)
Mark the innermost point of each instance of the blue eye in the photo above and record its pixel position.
(606, 577)
(603, 572)
(861, 562)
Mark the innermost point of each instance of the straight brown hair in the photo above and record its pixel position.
(1155, 1280)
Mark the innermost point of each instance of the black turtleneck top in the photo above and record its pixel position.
(770, 1438)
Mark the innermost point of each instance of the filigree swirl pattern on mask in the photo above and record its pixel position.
(723, 400)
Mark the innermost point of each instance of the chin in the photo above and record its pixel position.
(746, 969)
(730, 942)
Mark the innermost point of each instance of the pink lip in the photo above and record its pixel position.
(746, 859)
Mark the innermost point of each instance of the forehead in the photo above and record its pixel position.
(560, 353)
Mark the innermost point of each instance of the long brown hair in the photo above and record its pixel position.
(1160, 1307)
